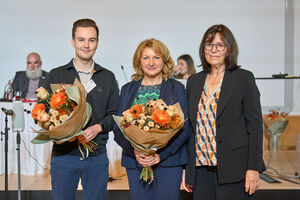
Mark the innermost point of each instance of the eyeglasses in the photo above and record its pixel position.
(210, 46)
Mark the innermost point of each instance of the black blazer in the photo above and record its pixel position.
(21, 82)
(239, 130)
(103, 98)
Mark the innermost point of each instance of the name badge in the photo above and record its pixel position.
(89, 86)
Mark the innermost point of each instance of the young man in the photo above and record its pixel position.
(28, 81)
(102, 94)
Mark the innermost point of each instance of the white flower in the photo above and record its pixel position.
(146, 128)
(129, 118)
(53, 112)
(52, 118)
(63, 118)
(144, 118)
(161, 107)
(171, 113)
(142, 122)
(157, 126)
(171, 110)
(151, 124)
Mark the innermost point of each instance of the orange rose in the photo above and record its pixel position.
(136, 110)
(62, 112)
(161, 117)
(57, 100)
(37, 109)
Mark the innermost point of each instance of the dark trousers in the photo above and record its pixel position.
(165, 186)
(66, 171)
(207, 187)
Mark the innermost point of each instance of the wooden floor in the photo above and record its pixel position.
(286, 162)
(43, 182)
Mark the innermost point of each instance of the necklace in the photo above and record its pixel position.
(218, 68)
(218, 79)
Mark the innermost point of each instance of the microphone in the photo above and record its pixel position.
(18, 121)
(7, 111)
(124, 73)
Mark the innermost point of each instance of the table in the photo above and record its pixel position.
(285, 162)
(35, 158)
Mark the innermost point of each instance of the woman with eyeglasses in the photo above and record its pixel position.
(225, 147)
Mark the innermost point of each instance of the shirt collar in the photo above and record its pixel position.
(90, 71)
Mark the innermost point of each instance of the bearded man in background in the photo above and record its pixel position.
(28, 81)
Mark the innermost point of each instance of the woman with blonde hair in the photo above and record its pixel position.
(152, 80)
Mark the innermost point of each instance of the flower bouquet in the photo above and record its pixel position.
(274, 125)
(150, 127)
(62, 115)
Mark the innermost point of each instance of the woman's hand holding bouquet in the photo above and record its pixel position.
(149, 128)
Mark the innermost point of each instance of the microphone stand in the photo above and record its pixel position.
(124, 73)
(6, 152)
(19, 164)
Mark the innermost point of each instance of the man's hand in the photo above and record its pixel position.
(92, 131)
(251, 181)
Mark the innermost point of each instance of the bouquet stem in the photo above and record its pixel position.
(147, 174)
(91, 146)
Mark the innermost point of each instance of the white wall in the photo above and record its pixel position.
(45, 27)
(297, 39)
(297, 58)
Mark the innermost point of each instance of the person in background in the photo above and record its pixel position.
(225, 148)
(28, 81)
(67, 165)
(185, 67)
(153, 67)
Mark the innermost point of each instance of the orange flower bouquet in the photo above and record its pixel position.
(60, 115)
(150, 127)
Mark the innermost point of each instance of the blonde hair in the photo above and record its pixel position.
(160, 49)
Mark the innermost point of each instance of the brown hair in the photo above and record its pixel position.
(190, 63)
(160, 49)
(227, 37)
(84, 23)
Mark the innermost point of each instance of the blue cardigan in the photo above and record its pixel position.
(175, 153)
